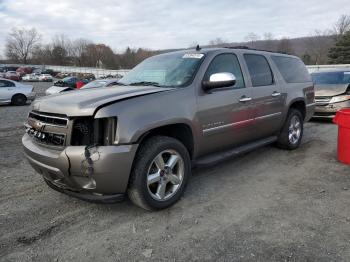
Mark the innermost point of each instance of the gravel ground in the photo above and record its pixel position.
(268, 205)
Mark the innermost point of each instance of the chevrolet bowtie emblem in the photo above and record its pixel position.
(37, 125)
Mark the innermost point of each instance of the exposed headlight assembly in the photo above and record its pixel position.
(91, 131)
(341, 98)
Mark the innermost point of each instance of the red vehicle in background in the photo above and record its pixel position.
(79, 84)
(12, 75)
(21, 71)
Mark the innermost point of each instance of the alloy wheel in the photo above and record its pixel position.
(294, 130)
(165, 175)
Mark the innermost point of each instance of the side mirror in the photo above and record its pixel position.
(219, 80)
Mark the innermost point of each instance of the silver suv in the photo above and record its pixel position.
(170, 113)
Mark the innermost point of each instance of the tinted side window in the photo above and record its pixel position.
(259, 70)
(4, 83)
(226, 63)
(10, 83)
(292, 70)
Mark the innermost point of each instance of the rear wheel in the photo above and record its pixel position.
(161, 171)
(19, 100)
(292, 131)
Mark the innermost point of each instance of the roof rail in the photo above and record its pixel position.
(254, 49)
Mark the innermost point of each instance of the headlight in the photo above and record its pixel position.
(342, 98)
(91, 131)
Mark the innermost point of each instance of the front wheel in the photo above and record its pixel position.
(160, 174)
(292, 131)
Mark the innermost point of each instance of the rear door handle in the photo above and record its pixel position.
(245, 99)
(274, 94)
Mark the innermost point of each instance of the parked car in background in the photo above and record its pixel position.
(12, 75)
(15, 93)
(50, 72)
(45, 78)
(101, 83)
(64, 85)
(10, 68)
(30, 77)
(21, 71)
(172, 111)
(332, 91)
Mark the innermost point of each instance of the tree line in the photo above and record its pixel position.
(25, 46)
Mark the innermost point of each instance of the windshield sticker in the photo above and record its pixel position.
(196, 56)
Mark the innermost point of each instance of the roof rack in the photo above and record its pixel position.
(254, 49)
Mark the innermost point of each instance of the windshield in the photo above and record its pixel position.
(167, 70)
(94, 84)
(331, 78)
(69, 79)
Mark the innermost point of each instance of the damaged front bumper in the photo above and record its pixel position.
(99, 173)
(329, 110)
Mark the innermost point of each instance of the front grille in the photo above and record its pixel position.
(323, 100)
(49, 119)
(46, 137)
(48, 129)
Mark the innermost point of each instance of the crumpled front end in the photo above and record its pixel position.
(78, 155)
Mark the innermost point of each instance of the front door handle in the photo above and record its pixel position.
(245, 99)
(274, 94)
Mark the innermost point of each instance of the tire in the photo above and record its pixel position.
(19, 100)
(292, 132)
(146, 191)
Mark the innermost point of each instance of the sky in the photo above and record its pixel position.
(166, 24)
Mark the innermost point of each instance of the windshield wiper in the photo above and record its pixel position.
(119, 84)
(145, 83)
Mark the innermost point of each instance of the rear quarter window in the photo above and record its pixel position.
(292, 69)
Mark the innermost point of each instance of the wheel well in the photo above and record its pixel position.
(181, 132)
(18, 94)
(299, 105)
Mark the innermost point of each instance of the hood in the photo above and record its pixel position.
(330, 90)
(85, 102)
(55, 90)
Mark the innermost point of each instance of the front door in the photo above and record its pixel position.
(225, 115)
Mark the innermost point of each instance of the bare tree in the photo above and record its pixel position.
(217, 42)
(268, 36)
(252, 38)
(285, 46)
(21, 43)
(61, 47)
(317, 46)
(342, 25)
(78, 48)
(268, 43)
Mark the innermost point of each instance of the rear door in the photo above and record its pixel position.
(266, 95)
(225, 114)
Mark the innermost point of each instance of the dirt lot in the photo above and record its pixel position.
(269, 205)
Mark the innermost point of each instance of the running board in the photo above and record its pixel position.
(216, 158)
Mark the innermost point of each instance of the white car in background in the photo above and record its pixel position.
(12, 92)
(30, 78)
(101, 83)
(93, 84)
(45, 78)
